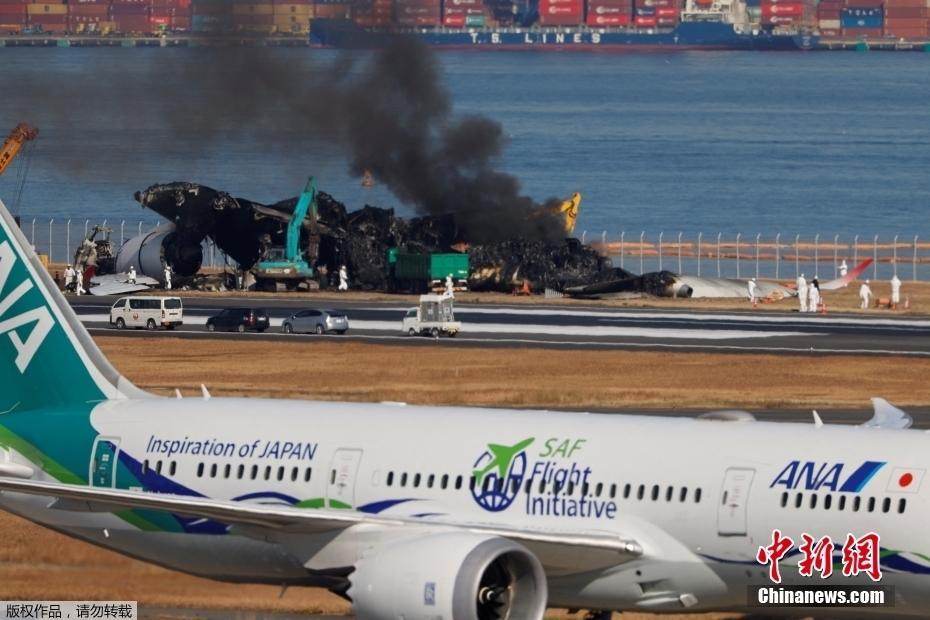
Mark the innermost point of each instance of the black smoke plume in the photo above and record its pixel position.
(385, 112)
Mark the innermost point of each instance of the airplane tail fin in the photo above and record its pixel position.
(47, 358)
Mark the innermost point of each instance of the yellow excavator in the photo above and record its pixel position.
(15, 142)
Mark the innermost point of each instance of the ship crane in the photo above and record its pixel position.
(14, 143)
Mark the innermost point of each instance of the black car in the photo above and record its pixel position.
(239, 320)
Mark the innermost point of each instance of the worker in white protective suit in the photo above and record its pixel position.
(168, 277)
(844, 269)
(69, 278)
(802, 292)
(450, 286)
(895, 291)
(753, 291)
(79, 282)
(813, 296)
(132, 274)
(343, 278)
(865, 295)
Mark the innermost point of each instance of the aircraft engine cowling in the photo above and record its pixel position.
(449, 576)
(150, 252)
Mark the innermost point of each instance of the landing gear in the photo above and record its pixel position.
(599, 614)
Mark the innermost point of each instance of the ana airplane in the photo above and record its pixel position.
(435, 512)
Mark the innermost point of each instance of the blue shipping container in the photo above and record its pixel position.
(862, 18)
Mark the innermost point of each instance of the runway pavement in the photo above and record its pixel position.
(576, 327)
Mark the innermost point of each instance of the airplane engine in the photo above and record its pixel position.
(149, 253)
(454, 576)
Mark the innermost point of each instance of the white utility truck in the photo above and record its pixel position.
(433, 317)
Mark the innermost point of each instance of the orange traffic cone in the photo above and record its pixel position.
(823, 307)
(907, 302)
(526, 288)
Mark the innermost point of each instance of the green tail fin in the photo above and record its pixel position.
(47, 358)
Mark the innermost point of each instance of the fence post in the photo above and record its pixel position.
(604, 240)
(700, 235)
(758, 236)
(679, 252)
(32, 241)
(856, 250)
(660, 249)
(140, 228)
(86, 223)
(777, 254)
(584, 234)
(68, 242)
(915, 258)
(875, 258)
(895, 255)
(642, 236)
(836, 258)
(718, 254)
(817, 255)
(797, 255)
(122, 231)
(738, 235)
(50, 222)
(622, 235)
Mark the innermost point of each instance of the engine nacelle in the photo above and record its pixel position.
(149, 253)
(450, 576)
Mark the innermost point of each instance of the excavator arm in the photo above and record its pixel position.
(21, 134)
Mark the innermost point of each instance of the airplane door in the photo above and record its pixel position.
(342, 475)
(734, 501)
(103, 462)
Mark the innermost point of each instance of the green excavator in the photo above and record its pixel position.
(286, 268)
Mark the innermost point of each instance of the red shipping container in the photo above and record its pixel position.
(335, 11)
(915, 4)
(917, 34)
(608, 20)
(612, 11)
(906, 12)
(864, 4)
(561, 14)
(453, 21)
(666, 12)
(644, 21)
(793, 10)
(829, 33)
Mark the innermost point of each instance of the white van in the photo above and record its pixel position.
(147, 312)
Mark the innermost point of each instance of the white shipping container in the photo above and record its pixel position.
(830, 24)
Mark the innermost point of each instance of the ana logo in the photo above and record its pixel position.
(498, 475)
(816, 475)
(40, 319)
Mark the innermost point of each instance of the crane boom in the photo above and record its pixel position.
(21, 134)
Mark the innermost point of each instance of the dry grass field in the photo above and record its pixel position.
(39, 564)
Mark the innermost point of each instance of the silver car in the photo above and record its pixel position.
(316, 322)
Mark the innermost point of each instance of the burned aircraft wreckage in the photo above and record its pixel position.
(245, 230)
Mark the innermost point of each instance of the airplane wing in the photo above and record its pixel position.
(833, 285)
(888, 416)
(558, 550)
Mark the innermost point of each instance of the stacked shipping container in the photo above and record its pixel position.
(907, 19)
(12, 16)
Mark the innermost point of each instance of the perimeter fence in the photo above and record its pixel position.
(775, 256)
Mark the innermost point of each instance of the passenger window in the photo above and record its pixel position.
(528, 486)
(471, 483)
(871, 504)
(571, 488)
(857, 503)
(307, 474)
(842, 503)
(174, 467)
(613, 491)
(640, 492)
(627, 489)
(813, 500)
(213, 470)
(655, 492)
(294, 473)
(445, 481)
(158, 467)
(697, 496)
(598, 489)
(458, 482)
(254, 472)
(240, 471)
(200, 470)
(390, 478)
(430, 481)
(886, 504)
(902, 505)
(556, 487)
(416, 481)
(145, 466)
(403, 479)
(683, 495)
(668, 494)
(784, 499)
(827, 502)
(514, 485)
(226, 470)
(798, 499)
(267, 472)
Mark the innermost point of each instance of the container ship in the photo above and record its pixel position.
(485, 24)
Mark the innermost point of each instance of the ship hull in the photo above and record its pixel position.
(687, 36)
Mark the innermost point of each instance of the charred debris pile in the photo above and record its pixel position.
(245, 230)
